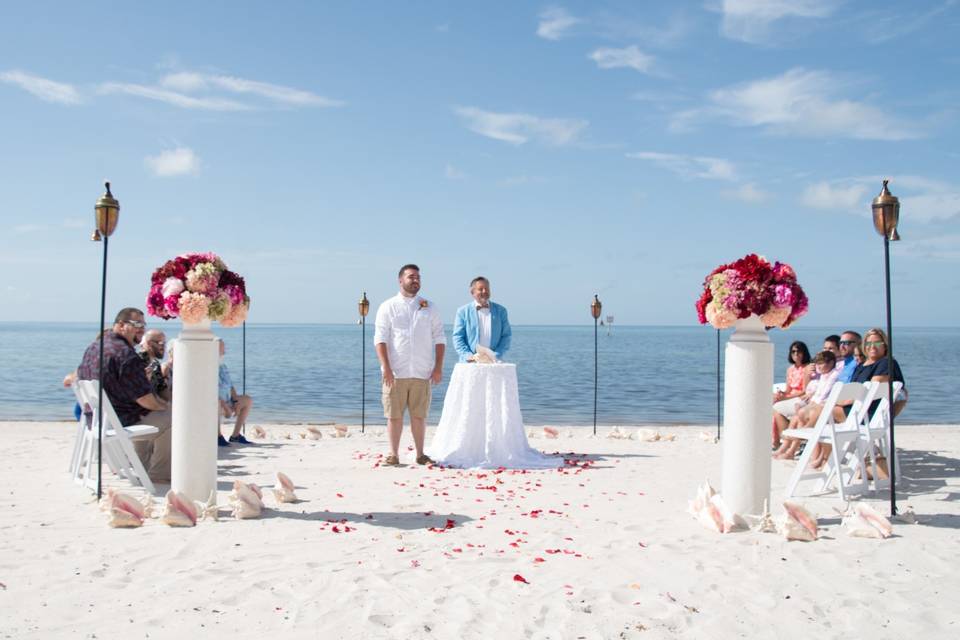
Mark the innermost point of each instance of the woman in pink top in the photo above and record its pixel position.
(798, 376)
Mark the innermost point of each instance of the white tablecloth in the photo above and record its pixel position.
(481, 425)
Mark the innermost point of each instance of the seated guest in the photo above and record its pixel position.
(859, 355)
(811, 403)
(232, 403)
(151, 349)
(798, 376)
(68, 381)
(849, 343)
(125, 383)
(874, 368)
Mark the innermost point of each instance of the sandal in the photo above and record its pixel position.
(391, 461)
(424, 459)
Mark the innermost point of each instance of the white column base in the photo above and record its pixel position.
(747, 416)
(195, 409)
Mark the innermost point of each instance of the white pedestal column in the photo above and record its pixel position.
(747, 416)
(194, 442)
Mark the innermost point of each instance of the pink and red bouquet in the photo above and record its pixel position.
(196, 286)
(751, 286)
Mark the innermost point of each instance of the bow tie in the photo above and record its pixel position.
(483, 306)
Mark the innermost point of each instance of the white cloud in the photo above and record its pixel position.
(517, 181)
(799, 102)
(630, 57)
(187, 81)
(172, 97)
(46, 90)
(450, 172)
(826, 195)
(554, 22)
(921, 199)
(29, 228)
(941, 247)
(174, 162)
(519, 128)
(690, 166)
(748, 193)
(750, 20)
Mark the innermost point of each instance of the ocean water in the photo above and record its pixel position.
(312, 373)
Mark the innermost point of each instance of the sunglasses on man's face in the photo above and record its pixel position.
(136, 324)
(847, 342)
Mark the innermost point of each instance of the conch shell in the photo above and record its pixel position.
(797, 523)
(180, 511)
(312, 432)
(648, 435)
(704, 493)
(283, 489)
(258, 432)
(620, 434)
(340, 431)
(124, 510)
(867, 522)
(246, 500)
(551, 432)
(718, 516)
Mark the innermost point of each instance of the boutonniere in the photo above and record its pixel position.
(423, 303)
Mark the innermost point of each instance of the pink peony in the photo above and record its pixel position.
(193, 307)
(172, 305)
(783, 295)
(172, 287)
(236, 315)
(155, 302)
(235, 293)
(775, 317)
(719, 317)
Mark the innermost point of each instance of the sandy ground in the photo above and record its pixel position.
(604, 549)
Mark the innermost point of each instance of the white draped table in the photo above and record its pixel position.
(481, 425)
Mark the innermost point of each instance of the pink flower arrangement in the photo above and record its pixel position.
(196, 286)
(751, 286)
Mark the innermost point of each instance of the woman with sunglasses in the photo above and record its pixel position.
(875, 369)
(785, 403)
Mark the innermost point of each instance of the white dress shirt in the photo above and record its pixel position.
(411, 328)
(483, 316)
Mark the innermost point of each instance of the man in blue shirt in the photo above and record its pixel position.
(481, 322)
(848, 346)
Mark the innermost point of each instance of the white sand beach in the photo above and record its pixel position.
(604, 549)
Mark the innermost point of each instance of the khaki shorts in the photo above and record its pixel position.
(412, 394)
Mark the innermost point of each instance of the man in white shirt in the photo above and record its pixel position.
(410, 342)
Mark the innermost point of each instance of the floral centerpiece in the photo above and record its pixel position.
(197, 286)
(751, 286)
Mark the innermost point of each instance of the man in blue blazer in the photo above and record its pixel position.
(481, 322)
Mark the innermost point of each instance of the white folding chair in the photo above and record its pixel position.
(84, 464)
(845, 463)
(83, 423)
(876, 431)
(117, 439)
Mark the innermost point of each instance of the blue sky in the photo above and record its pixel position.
(560, 149)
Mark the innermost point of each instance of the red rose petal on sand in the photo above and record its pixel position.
(519, 578)
(538, 559)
